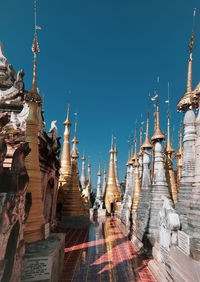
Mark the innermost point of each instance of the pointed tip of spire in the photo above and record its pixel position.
(67, 121)
(99, 171)
(115, 146)
(83, 158)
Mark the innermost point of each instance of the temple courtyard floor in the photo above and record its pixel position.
(103, 253)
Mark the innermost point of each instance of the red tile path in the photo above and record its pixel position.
(103, 253)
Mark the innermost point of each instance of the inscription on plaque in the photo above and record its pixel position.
(36, 269)
(184, 242)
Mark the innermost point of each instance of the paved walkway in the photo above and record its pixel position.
(103, 253)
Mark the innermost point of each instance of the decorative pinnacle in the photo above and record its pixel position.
(140, 151)
(99, 172)
(169, 148)
(67, 121)
(34, 95)
(135, 152)
(147, 144)
(189, 100)
(75, 141)
(115, 149)
(111, 149)
(157, 135)
(83, 158)
(104, 172)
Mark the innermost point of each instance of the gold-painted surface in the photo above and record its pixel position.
(34, 230)
(65, 169)
(169, 172)
(147, 144)
(112, 195)
(137, 184)
(73, 202)
(179, 157)
(189, 99)
(170, 177)
(157, 135)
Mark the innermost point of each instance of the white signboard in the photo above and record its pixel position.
(184, 242)
(36, 269)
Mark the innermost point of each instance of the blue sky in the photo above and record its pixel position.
(109, 54)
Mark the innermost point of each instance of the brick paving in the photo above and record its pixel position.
(103, 253)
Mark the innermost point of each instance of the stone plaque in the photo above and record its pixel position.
(46, 230)
(36, 269)
(184, 242)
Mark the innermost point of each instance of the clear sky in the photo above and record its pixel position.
(109, 54)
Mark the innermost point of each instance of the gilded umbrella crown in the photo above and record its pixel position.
(189, 99)
(34, 95)
(147, 144)
(67, 121)
(157, 135)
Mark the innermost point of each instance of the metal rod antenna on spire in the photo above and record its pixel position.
(35, 14)
(168, 101)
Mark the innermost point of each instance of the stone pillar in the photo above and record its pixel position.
(188, 168)
(194, 212)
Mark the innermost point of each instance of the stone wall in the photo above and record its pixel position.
(15, 203)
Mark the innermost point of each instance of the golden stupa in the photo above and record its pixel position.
(73, 204)
(34, 230)
(112, 195)
(65, 164)
(137, 184)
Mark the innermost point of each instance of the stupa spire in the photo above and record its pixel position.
(115, 164)
(34, 229)
(157, 135)
(112, 195)
(137, 185)
(75, 141)
(189, 100)
(169, 148)
(169, 155)
(83, 176)
(147, 144)
(65, 169)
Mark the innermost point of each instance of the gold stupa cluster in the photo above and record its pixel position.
(69, 192)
